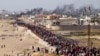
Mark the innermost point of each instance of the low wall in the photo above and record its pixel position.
(40, 41)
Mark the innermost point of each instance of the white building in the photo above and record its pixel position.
(85, 20)
(31, 17)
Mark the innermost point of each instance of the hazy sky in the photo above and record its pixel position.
(18, 5)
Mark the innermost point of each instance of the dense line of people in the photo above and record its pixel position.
(67, 47)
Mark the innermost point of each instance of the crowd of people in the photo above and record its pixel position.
(67, 47)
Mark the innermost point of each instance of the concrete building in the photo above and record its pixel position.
(85, 20)
(54, 24)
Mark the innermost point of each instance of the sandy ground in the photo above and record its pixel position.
(10, 39)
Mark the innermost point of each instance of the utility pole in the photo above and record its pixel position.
(89, 33)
